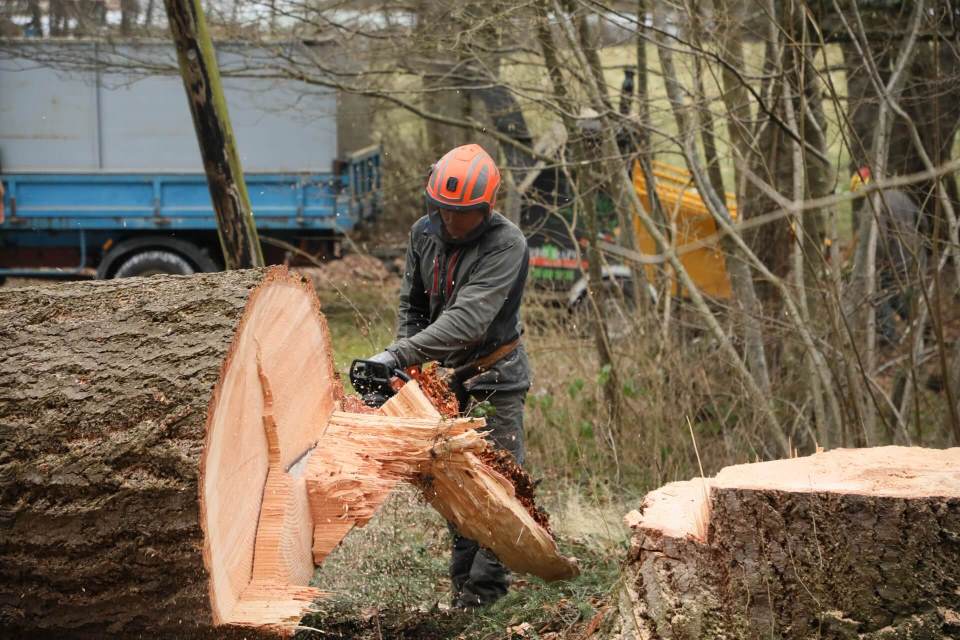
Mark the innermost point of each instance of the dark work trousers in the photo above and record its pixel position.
(477, 575)
(892, 300)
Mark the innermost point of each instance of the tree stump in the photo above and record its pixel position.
(174, 459)
(850, 543)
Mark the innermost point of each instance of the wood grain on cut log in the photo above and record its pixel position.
(845, 544)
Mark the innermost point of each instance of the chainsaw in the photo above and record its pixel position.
(376, 382)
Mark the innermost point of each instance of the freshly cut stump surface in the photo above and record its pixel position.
(849, 543)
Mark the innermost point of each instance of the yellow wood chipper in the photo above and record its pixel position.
(689, 222)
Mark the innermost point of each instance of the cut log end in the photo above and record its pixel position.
(276, 387)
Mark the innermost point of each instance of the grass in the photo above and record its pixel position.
(396, 562)
(361, 321)
(389, 579)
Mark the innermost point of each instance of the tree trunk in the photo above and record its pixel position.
(148, 15)
(845, 544)
(218, 148)
(36, 18)
(129, 13)
(772, 161)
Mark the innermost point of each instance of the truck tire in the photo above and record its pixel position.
(154, 261)
(195, 257)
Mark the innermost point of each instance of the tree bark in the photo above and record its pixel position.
(36, 17)
(129, 13)
(771, 157)
(705, 116)
(845, 544)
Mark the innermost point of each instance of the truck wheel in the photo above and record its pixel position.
(148, 263)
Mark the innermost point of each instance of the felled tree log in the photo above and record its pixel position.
(133, 454)
(845, 544)
(173, 455)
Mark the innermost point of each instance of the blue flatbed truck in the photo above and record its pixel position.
(102, 173)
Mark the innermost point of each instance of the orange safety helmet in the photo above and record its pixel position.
(464, 179)
(860, 177)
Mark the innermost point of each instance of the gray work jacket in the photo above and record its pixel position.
(460, 302)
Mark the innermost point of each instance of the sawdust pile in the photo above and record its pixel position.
(352, 403)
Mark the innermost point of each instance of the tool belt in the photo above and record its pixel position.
(483, 363)
(495, 356)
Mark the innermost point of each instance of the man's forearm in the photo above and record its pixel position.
(435, 342)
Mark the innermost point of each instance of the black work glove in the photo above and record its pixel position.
(387, 358)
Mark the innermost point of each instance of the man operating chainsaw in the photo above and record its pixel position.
(466, 267)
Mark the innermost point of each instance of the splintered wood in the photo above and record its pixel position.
(348, 482)
(411, 402)
(851, 543)
(482, 504)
